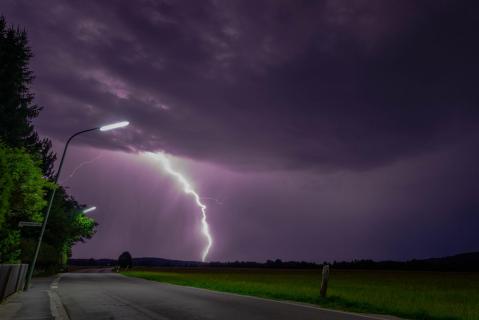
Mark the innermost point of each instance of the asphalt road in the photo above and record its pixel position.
(113, 296)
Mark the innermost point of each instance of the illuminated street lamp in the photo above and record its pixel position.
(114, 126)
(37, 250)
(89, 209)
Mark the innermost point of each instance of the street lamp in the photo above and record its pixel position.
(89, 209)
(50, 202)
(114, 126)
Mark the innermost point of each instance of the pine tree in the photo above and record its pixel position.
(17, 109)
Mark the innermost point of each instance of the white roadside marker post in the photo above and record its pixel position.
(324, 282)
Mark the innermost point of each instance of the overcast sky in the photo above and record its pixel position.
(312, 130)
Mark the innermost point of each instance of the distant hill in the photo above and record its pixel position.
(144, 262)
(160, 262)
(459, 262)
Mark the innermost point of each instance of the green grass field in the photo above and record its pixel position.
(408, 294)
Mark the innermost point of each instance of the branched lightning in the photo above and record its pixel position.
(218, 201)
(80, 166)
(188, 189)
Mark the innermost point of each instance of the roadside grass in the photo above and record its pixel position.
(408, 294)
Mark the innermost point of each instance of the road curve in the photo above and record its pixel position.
(113, 296)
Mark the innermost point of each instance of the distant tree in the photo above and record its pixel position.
(17, 109)
(124, 260)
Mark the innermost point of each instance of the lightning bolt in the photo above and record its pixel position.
(188, 189)
(80, 166)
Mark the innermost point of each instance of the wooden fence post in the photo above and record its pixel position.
(324, 282)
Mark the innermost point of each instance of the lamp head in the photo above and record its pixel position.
(114, 126)
(89, 209)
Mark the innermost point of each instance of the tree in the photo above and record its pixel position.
(124, 260)
(22, 197)
(16, 100)
(66, 226)
(26, 166)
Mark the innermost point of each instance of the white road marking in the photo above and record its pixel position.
(56, 306)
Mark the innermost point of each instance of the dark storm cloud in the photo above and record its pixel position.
(264, 84)
(373, 103)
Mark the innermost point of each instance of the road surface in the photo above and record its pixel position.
(113, 296)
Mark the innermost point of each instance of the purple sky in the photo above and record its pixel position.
(327, 129)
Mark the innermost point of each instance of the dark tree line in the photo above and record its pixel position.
(460, 262)
(16, 100)
(26, 167)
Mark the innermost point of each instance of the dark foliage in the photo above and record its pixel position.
(25, 159)
(460, 262)
(124, 260)
(17, 109)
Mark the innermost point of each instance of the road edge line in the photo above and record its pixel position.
(56, 306)
(288, 302)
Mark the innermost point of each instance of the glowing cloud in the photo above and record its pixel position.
(188, 189)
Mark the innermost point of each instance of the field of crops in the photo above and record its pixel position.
(414, 295)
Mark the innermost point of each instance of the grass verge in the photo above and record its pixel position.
(414, 295)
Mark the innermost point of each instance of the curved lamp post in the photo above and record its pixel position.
(50, 202)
